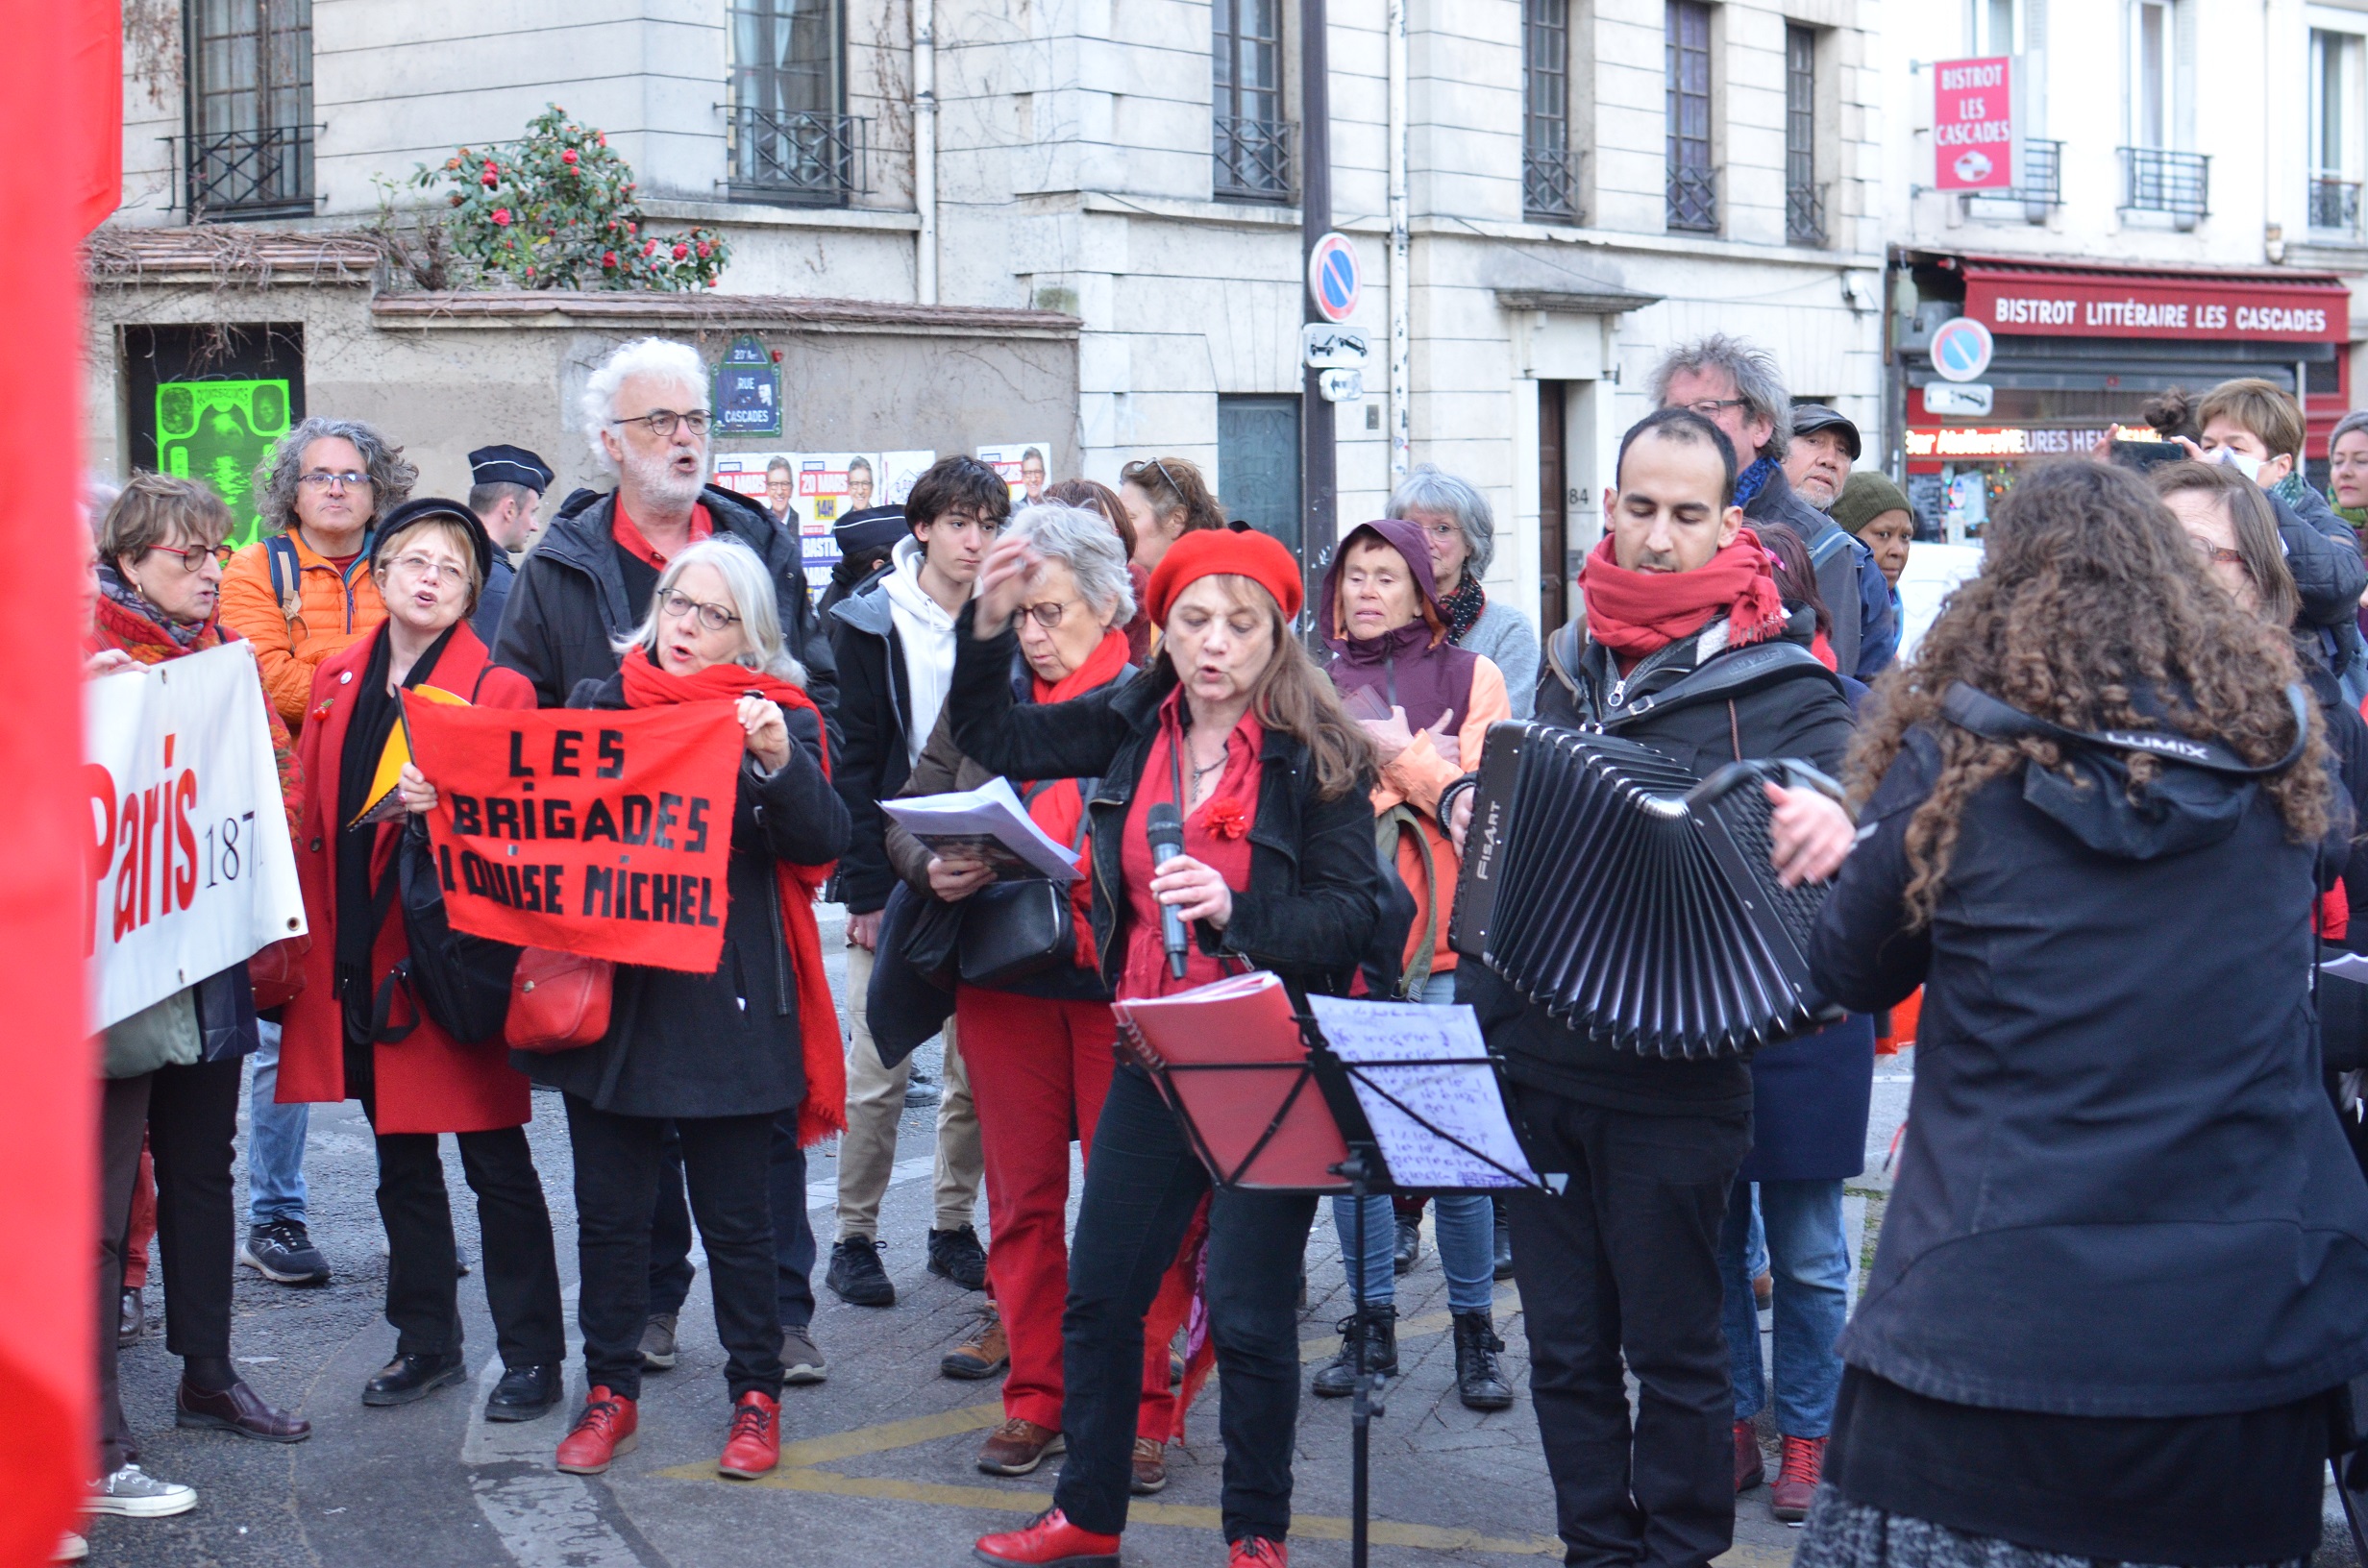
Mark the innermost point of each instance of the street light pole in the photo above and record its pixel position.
(1318, 523)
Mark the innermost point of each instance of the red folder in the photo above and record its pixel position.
(1230, 1059)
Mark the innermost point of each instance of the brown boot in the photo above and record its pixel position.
(1796, 1479)
(1150, 1467)
(1749, 1470)
(984, 1355)
(1017, 1446)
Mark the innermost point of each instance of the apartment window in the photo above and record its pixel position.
(2156, 175)
(1693, 181)
(785, 137)
(1252, 145)
(1549, 184)
(2153, 73)
(1804, 197)
(1994, 28)
(2335, 162)
(249, 108)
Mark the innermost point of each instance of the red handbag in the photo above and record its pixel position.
(277, 971)
(558, 1001)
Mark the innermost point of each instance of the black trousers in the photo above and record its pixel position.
(793, 1230)
(422, 1265)
(1621, 1269)
(1141, 1187)
(726, 1160)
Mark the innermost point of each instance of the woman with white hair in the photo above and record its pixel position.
(1461, 532)
(717, 1056)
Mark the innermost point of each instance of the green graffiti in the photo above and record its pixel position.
(218, 431)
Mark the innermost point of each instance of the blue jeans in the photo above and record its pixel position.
(1811, 1263)
(275, 1141)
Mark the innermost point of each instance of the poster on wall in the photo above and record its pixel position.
(897, 470)
(219, 432)
(820, 488)
(1022, 464)
(770, 478)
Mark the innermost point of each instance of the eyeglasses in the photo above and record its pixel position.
(1133, 473)
(1443, 532)
(676, 604)
(1048, 614)
(322, 480)
(1707, 407)
(661, 422)
(421, 565)
(2216, 554)
(197, 555)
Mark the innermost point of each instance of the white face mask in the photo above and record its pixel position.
(2231, 457)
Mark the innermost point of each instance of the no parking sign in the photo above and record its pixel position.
(1960, 348)
(1333, 277)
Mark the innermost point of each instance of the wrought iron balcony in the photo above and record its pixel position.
(1694, 199)
(2042, 173)
(2334, 205)
(265, 173)
(1254, 160)
(794, 157)
(1550, 184)
(2156, 180)
(1805, 215)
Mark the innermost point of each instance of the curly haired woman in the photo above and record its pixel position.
(2126, 1263)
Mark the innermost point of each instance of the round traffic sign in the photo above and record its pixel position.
(1333, 277)
(1961, 349)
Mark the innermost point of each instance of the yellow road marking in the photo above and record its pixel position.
(893, 1435)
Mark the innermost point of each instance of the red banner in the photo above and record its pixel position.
(2032, 303)
(603, 833)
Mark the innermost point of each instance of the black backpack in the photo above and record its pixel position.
(460, 981)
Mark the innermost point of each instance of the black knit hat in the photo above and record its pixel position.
(874, 527)
(420, 509)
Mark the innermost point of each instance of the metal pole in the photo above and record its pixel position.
(1364, 1406)
(1318, 525)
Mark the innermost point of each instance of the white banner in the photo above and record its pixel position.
(192, 870)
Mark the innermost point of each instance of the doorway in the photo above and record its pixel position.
(1553, 486)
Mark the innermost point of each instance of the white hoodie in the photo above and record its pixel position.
(926, 631)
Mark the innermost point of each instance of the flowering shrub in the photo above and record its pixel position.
(555, 209)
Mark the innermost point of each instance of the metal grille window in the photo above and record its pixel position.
(1804, 197)
(1693, 182)
(786, 139)
(1251, 143)
(1549, 183)
(249, 108)
(2154, 181)
(2335, 162)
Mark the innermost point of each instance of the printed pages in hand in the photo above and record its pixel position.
(1423, 1079)
(987, 823)
(1231, 1060)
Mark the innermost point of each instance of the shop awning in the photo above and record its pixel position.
(2194, 305)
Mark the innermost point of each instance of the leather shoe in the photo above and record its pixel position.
(1048, 1541)
(237, 1409)
(1150, 1467)
(1018, 1447)
(524, 1393)
(753, 1447)
(608, 1425)
(1796, 1479)
(1749, 1468)
(407, 1378)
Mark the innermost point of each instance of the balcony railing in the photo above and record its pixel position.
(794, 158)
(1550, 184)
(1252, 160)
(2334, 205)
(1805, 215)
(2155, 180)
(249, 173)
(1694, 199)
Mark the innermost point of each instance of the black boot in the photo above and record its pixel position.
(1377, 1328)
(1504, 1241)
(1479, 1382)
(1408, 1245)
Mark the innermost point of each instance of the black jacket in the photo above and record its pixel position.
(726, 1043)
(1804, 716)
(1314, 896)
(1857, 595)
(2123, 1192)
(487, 622)
(568, 602)
(873, 759)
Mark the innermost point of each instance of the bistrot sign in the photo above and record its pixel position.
(1973, 124)
(1334, 278)
(190, 866)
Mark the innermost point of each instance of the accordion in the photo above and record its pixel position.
(1633, 901)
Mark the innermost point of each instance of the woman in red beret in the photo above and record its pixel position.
(1236, 726)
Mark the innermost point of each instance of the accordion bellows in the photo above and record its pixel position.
(1632, 899)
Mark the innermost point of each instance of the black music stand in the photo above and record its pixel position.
(1277, 1161)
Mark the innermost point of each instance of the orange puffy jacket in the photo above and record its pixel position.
(327, 609)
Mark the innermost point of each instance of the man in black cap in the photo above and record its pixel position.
(866, 540)
(507, 484)
(1818, 460)
(1824, 446)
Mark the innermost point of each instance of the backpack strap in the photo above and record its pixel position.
(1993, 719)
(1727, 678)
(1562, 655)
(1389, 828)
(288, 579)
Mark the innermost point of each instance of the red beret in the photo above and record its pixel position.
(1210, 552)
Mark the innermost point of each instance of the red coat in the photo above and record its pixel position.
(428, 1082)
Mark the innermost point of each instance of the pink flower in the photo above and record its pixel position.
(568, 158)
(648, 247)
(633, 228)
(609, 259)
(705, 249)
(487, 179)
(603, 135)
(681, 251)
(501, 215)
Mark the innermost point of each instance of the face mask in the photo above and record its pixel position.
(2231, 457)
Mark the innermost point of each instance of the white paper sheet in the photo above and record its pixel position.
(988, 821)
(2352, 966)
(1462, 1100)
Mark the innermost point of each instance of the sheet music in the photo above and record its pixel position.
(1399, 1047)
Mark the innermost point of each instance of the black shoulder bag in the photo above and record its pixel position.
(458, 981)
(1017, 929)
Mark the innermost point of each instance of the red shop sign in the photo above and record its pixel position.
(1973, 124)
(2031, 303)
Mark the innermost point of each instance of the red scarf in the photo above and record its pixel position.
(825, 1111)
(1101, 668)
(1637, 613)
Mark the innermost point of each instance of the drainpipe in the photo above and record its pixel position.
(1401, 301)
(925, 150)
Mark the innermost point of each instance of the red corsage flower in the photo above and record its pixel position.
(1227, 819)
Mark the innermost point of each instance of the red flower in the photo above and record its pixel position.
(487, 179)
(703, 249)
(1227, 819)
(681, 251)
(603, 135)
(648, 247)
(501, 215)
(633, 228)
(609, 259)
(568, 158)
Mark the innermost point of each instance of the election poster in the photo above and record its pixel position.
(1022, 465)
(606, 834)
(190, 866)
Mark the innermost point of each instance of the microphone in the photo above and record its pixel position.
(1164, 825)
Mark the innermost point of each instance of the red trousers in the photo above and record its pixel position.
(1039, 1071)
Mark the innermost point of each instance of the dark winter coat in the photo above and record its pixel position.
(2122, 1190)
(1857, 595)
(873, 759)
(487, 622)
(726, 1043)
(1314, 903)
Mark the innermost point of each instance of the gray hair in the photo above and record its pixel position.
(1085, 542)
(2355, 419)
(1758, 381)
(752, 591)
(1430, 488)
(391, 473)
(653, 356)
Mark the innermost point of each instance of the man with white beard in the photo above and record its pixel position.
(589, 582)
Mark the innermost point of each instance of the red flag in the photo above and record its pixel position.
(60, 89)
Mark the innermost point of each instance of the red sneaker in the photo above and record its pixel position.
(1257, 1552)
(609, 1426)
(1749, 1472)
(754, 1445)
(1049, 1541)
(1796, 1479)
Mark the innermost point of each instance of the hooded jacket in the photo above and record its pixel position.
(2123, 1191)
(333, 606)
(1866, 637)
(874, 725)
